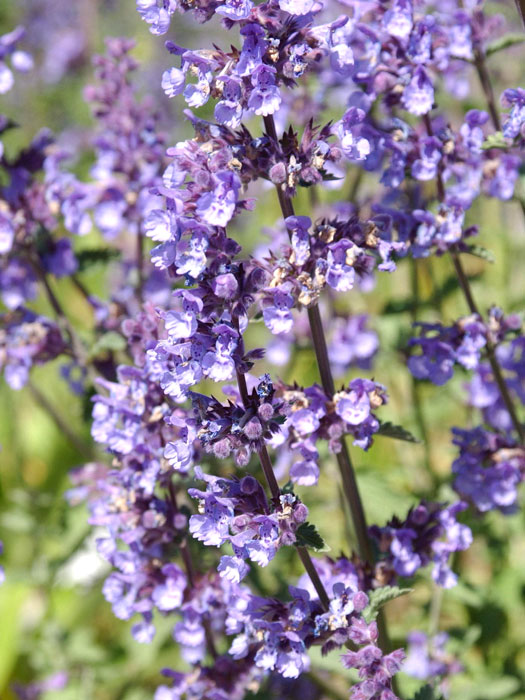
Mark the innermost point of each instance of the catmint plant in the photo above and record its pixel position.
(355, 121)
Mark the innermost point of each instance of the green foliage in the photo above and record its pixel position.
(382, 596)
(110, 341)
(480, 252)
(308, 536)
(95, 257)
(440, 294)
(504, 42)
(427, 692)
(496, 140)
(397, 432)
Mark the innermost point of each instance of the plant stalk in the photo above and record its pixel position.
(344, 462)
(473, 308)
(267, 468)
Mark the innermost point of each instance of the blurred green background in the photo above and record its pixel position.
(52, 613)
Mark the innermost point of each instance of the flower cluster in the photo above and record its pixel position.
(238, 512)
(375, 668)
(430, 533)
(337, 255)
(483, 390)
(312, 416)
(488, 470)
(302, 100)
(27, 339)
(463, 343)
(428, 659)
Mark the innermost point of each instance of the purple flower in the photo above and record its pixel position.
(156, 14)
(233, 568)
(158, 225)
(228, 110)
(277, 314)
(352, 343)
(444, 346)
(252, 50)
(169, 594)
(297, 7)
(217, 206)
(418, 96)
(7, 234)
(340, 273)
(60, 260)
(265, 97)
(398, 20)
(427, 658)
(488, 470)
(236, 9)
(355, 146)
(515, 100)
(425, 167)
(211, 528)
(429, 534)
(173, 82)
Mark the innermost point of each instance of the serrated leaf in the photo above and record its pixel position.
(397, 432)
(480, 252)
(110, 341)
(381, 596)
(92, 257)
(427, 692)
(504, 42)
(496, 140)
(308, 536)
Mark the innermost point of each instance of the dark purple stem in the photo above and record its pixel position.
(520, 4)
(486, 84)
(314, 576)
(344, 462)
(267, 468)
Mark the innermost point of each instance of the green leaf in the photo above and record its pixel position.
(288, 487)
(110, 341)
(449, 286)
(488, 688)
(496, 140)
(427, 692)
(397, 432)
(504, 42)
(12, 598)
(480, 252)
(381, 596)
(400, 306)
(92, 257)
(308, 536)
